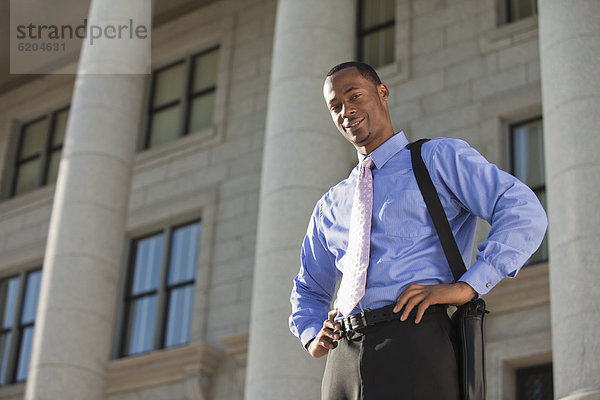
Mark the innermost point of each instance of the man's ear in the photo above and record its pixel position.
(383, 91)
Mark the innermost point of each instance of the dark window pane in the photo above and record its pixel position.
(378, 47)
(181, 303)
(27, 176)
(33, 138)
(148, 259)
(5, 349)
(519, 9)
(184, 254)
(528, 153)
(535, 383)
(9, 292)
(140, 332)
(165, 126)
(60, 127)
(53, 166)
(201, 112)
(30, 301)
(24, 354)
(376, 12)
(541, 253)
(169, 84)
(205, 71)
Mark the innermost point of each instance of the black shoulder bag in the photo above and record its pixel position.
(468, 320)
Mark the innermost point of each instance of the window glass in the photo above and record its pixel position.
(376, 12)
(378, 47)
(24, 354)
(528, 153)
(9, 290)
(33, 138)
(142, 314)
(169, 84)
(184, 254)
(5, 339)
(28, 176)
(53, 165)
(160, 300)
(535, 383)
(60, 127)
(30, 301)
(205, 71)
(519, 9)
(201, 112)
(179, 317)
(148, 261)
(376, 31)
(165, 126)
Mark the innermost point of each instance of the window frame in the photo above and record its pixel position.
(505, 8)
(184, 100)
(362, 33)
(18, 327)
(46, 152)
(162, 291)
(535, 189)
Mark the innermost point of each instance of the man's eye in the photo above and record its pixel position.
(335, 108)
(355, 96)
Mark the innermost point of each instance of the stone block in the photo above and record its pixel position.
(418, 87)
(451, 120)
(235, 227)
(232, 270)
(518, 54)
(498, 83)
(428, 42)
(240, 185)
(448, 98)
(451, 54)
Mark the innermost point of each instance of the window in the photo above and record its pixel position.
(18, 305)
(160, 290)
(535, 383)
(376, 21)
(527, 149)
(519, 9)
(38, 153)
(182, 98)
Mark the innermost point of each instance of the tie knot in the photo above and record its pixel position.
(368, 162)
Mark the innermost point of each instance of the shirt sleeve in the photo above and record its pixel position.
(518, 220)
(315, 284)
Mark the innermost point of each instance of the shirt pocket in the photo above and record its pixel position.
(405, 215)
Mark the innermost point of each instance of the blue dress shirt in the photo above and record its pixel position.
(405, 248)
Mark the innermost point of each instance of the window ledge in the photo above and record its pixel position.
(26, 202)
(189, 143)
(12, 392)
(192, 363)
(509, 35)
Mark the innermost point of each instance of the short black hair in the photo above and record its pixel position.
(364, 69)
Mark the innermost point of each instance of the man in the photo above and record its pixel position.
(411, 356)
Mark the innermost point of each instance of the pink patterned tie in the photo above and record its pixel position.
(356, 260)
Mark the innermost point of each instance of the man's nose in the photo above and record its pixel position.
(348, 110)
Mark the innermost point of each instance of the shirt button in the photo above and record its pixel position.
(488, 285)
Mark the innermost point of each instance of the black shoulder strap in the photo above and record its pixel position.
(436, 211)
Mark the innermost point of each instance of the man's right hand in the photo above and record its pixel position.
(323, 342)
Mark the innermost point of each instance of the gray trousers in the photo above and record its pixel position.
(395, 360)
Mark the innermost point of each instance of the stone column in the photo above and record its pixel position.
(570, 62)
(83, 259)
(304, 156)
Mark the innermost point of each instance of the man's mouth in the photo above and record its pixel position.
(354, 124)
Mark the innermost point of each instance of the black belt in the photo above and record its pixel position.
(370, 317)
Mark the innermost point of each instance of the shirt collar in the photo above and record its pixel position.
(387, 150)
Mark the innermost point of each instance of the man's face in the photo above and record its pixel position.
(359, 109)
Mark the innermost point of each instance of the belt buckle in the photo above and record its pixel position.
(363, 319)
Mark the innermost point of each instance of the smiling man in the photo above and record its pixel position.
(373, 232)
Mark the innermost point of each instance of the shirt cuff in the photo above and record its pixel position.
(482, 277)
(309, 333)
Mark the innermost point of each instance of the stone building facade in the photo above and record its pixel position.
(222, 173)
